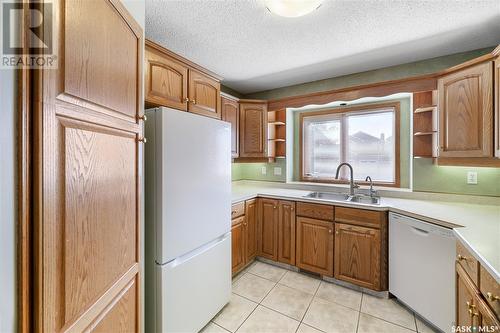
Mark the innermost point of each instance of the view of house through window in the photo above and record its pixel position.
(367, 139)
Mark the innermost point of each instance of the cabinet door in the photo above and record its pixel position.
(231, 114)
(315, 246)
(166, 81)
(466, 294)
(253, 130)
(357, 255)
(204, 95)
(286, 232)
(466, 112)
(238, 244)
(497, 107)
(268, 229)
(88, 191)
(251, 229)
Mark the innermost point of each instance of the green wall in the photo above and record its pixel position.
(384, 74)
(428, 177)
(253, 171)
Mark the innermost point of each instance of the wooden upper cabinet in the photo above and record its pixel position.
(466, 112)
(497, 106)
(286, 232)
(253, 129)
(357, 255)
(204, 95)
(231, 113)
(268, 229)
(89, 175)
(251, 229)
(314, 246)
(166, 81)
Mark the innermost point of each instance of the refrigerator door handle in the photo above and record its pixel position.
(204, 248)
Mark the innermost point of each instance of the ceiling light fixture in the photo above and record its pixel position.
(292, 8)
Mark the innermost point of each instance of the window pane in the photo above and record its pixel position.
(370, 147)
(321, 147)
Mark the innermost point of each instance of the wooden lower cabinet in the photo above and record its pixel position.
(238, 244)
(357, 255)
(286, 232)
(315, 245)
(251, 229)
(268, 229)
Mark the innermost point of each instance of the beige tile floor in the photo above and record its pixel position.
(270, 299)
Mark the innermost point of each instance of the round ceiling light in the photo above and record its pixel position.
(292, 8)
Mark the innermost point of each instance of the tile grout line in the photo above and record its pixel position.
(259, 303)
(310, 302)
(220, 326)
(359, 312)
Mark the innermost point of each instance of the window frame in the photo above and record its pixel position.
(356, 109)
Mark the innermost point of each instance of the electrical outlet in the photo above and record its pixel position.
(263, 170)
(277, 171)
(472, 177)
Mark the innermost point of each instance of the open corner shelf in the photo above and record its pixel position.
(276, 134)
(425, 124)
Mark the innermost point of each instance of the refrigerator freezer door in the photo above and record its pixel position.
(194, 287)
(193, 175)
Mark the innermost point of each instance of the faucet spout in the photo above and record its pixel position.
(352, 185)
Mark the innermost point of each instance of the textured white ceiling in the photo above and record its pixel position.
(255, 50)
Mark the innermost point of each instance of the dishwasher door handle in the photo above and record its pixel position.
(419, 231)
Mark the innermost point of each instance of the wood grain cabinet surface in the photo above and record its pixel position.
(251, 229)
(268, 228)
(466, 113)
(357, 255)
(253, 129)
(204, 95)
(314, 246)
(88, 169)
(238, 244)
(230, 112)
(166, 82)
(286, 232)
(175, 82)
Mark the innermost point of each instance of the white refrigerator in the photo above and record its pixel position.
(188, 222)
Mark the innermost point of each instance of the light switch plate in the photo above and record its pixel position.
(277, 171)
(263, 170)
(472, 177)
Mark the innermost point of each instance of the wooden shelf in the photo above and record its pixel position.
(425, 124)
(276, 134)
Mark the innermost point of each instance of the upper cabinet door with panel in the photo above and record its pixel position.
(253, 129)
(466, 112)
(204, 95)
(231, 114)
(166, 81)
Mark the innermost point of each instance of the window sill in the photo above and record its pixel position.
(346, 186)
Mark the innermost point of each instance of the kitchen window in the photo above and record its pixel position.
(366, 136)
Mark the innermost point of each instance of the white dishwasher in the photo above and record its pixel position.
(422, 268)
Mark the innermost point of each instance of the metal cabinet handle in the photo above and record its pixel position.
(143, 140)
(233, 212)
(461, 257)
(143, 117)
(329, 231)
(193, 101)
(491, 297)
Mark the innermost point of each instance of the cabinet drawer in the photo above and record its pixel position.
(315, 211)
(238, 209)
(490, 290)
(237, 220)
(468, 262)
(362, 217)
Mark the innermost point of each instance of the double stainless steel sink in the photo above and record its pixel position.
(358, 198)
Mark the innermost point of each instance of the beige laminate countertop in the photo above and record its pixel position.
(477, 225)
